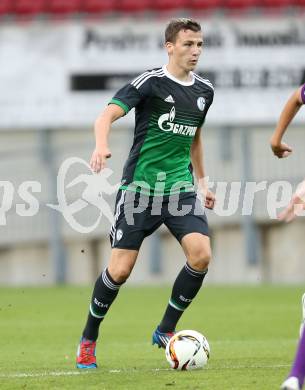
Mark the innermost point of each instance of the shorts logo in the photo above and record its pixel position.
(201, 103)
(119, 234)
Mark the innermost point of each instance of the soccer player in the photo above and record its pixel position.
(281, 149)
(171, 103)
(296, 376)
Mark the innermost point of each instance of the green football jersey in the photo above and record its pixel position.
(168, 113)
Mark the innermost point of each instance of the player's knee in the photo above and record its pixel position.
(200, 259)
(120, 273)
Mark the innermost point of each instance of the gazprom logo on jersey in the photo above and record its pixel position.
(166, 123)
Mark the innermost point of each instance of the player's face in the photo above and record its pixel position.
(185, 52)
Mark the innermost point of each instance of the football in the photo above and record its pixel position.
(187, 350)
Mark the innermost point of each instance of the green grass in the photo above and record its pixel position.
(252, 333)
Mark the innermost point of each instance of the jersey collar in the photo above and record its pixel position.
(170, 76)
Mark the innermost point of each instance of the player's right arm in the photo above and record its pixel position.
(125, 99)
(279, 148)
(101, 128)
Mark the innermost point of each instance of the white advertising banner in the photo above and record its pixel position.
(63, 73)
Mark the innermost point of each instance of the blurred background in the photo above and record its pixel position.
(62, 60)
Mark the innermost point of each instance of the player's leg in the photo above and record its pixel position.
(126, 240)
(126, 236)
(188, 282)
(105, 291)
(107, 287)
(191, 231)
(186, 286)
(296, 377)
(303, 315)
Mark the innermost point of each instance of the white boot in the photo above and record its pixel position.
(292, 383)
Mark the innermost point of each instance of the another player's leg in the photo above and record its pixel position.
(104, 293)
(296, 377)
(186, 286)
(303, 315)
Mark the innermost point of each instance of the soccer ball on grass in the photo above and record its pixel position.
(187, 350)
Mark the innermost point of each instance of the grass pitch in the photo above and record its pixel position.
(252, 332)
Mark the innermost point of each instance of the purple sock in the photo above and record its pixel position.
(298, 368)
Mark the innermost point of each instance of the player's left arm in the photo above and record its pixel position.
(292, 106)
(198, 166)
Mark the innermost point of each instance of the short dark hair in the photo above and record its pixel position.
(176, 25)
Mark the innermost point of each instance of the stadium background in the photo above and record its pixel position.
(60, 63)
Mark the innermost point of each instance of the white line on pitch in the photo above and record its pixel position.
(41, 374)
(118, 371)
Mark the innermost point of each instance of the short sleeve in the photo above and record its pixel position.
(207, 106)
(133, 93)
(303, 93)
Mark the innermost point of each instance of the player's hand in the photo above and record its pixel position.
(296, 206)
(280, 149)
(98, 159)
(209, 202)
(294, 209)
